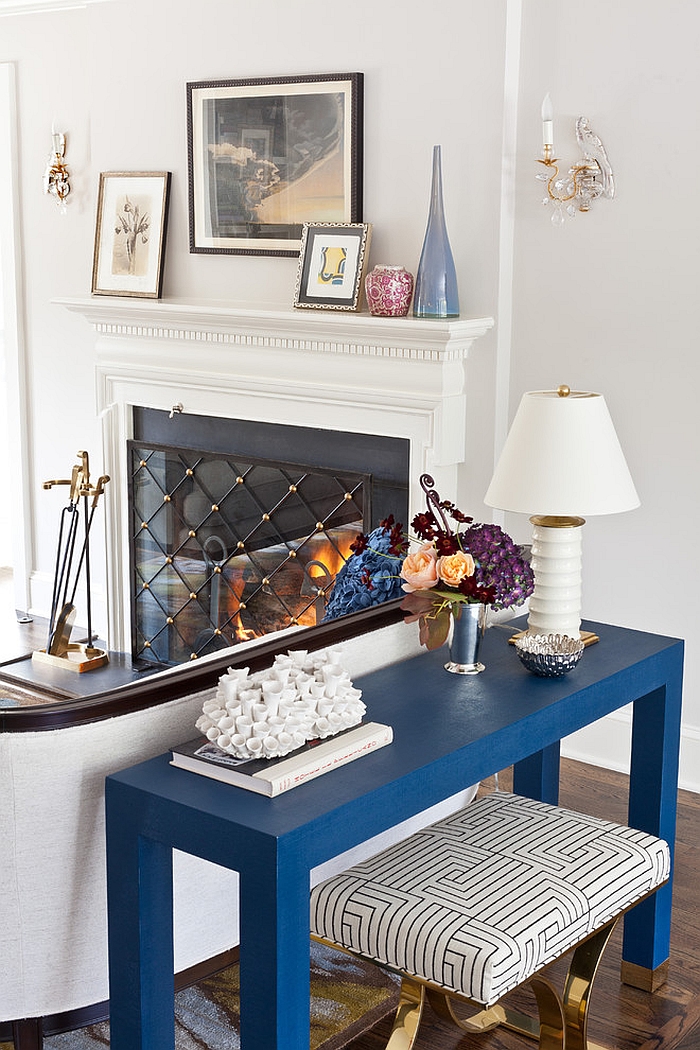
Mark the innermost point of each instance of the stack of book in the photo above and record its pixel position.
(275, 775)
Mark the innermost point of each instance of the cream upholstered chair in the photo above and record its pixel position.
(53, 925)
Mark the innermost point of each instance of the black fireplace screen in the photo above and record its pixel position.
(225, 548)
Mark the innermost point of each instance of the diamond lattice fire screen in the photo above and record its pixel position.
(225, 549)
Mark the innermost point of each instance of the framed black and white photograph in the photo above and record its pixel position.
(132, 211)
(332, 265)
(267, 155)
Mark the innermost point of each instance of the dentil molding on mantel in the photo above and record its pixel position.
(267, 324)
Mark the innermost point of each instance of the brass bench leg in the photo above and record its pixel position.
(577, 989)
(563, 1020)
(408, 1015)
(548, 1029)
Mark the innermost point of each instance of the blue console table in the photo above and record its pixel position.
(449, 732)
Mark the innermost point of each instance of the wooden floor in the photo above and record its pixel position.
(622, 1018)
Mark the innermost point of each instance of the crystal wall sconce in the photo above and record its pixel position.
(585, 182)
(56, 177)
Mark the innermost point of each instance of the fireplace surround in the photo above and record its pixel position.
(349, 372)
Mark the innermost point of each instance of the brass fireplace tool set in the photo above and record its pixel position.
(60, 651)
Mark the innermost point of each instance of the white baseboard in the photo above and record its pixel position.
(607, 743)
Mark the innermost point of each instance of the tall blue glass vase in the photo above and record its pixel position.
(436, 292)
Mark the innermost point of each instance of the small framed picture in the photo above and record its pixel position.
(132, 209)
(332, 263)
(267, 155)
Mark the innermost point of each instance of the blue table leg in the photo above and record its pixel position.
(275, 951)
(140, 918)
(538, 775)
(652, 808)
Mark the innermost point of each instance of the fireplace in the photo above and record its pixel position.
(238, 527)
(326, 371)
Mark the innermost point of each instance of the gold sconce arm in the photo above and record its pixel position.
(56, 175)
(584, 183)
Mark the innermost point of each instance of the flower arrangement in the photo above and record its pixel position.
(480, 563)
(371, 573)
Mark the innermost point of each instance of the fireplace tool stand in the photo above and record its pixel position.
(60, 651)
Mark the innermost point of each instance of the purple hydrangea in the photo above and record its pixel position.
(500, 564)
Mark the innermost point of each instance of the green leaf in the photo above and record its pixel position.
(434, 629)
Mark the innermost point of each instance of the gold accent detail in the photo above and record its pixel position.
(587, 637)
(166, 498)
(170, 620)
(266, 517)
(641, 977)
(240, 545)
(266, 581)
(193, 595)
(242, 605)
(77, 657)
(563, 390)
(292, 554)
(217, 570)
(146, 586)
(348, 496)
(189, 472)
(294, 621)
(147, 645)
(192, 534)
(168, 560)
(142, 462)
(144, 524)
(292, 488)
(557, 521)
(240, 480)
(408, 1015)
(193, 656)
(217, 630)
(214, 508)
(319, 526)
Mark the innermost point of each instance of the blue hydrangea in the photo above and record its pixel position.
(368, 577)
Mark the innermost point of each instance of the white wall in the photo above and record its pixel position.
(610, 301)
(113, 77)
(606, 303)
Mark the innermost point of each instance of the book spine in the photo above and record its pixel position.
(316, 765)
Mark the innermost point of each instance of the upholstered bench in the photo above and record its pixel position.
(478, 903)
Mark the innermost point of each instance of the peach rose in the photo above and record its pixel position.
(419, 569)
(452, 568)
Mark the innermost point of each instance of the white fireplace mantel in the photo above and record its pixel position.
(333, 370)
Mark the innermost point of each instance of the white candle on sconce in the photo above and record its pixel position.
(547, 122)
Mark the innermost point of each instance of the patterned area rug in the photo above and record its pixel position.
(347, 997)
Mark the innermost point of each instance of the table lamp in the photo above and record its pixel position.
(562, 459)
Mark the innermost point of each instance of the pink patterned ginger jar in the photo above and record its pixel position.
(389, 290)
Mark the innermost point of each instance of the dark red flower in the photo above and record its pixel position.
(387, 523)
(424, 525)
(469, 587)
(359, 544)
(398, 543)
(366, 579)
(446, 545)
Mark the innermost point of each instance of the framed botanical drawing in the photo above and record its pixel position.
(332, 264)
(267, 155)
(132, 209)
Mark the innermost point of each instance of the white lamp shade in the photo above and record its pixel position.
(562, 457)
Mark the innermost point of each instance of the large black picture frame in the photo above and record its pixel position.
(268, 154)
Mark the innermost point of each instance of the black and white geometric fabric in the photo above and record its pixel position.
(487, 896)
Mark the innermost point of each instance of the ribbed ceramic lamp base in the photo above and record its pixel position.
(555, 603)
